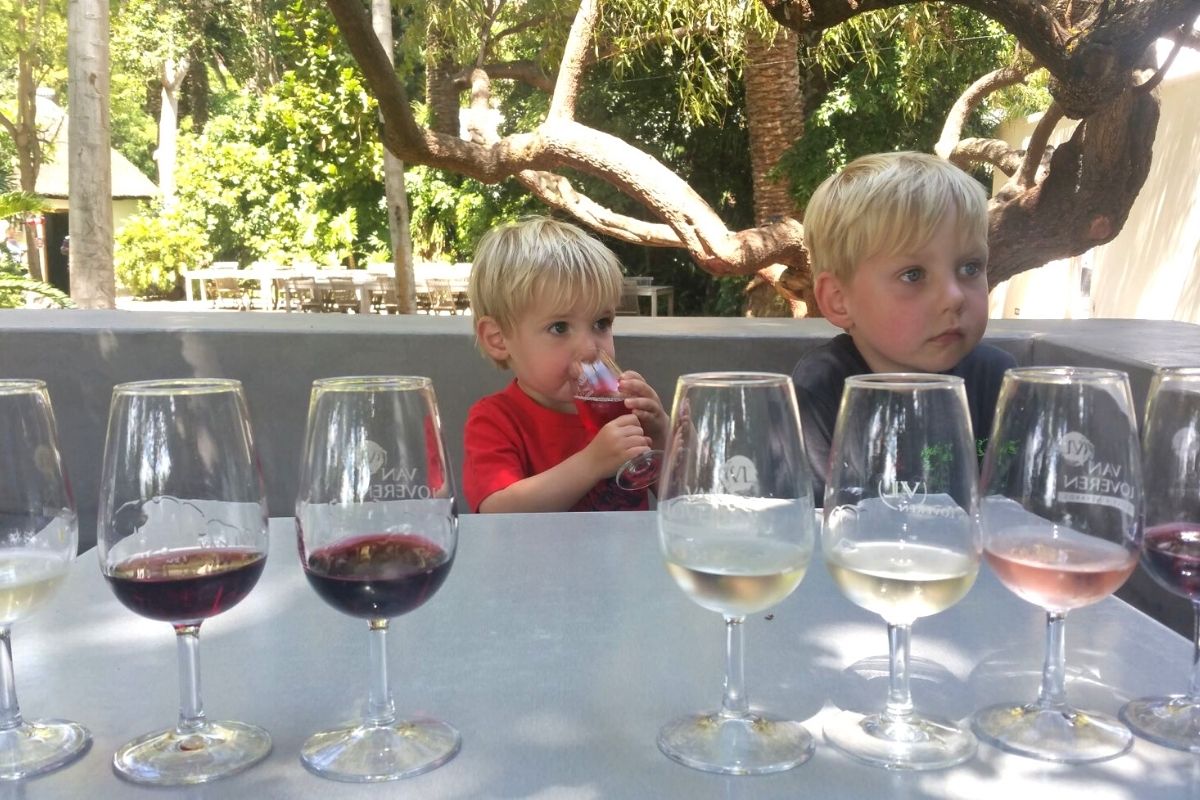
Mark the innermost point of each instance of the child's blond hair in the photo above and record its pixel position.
(544, 261)
(889, 203)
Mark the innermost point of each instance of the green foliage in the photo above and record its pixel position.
(150, 250)
(897, 73)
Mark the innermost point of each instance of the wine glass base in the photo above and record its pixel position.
(640, 472)
(369, 753)
(40, 746)
(915, 744)
(1172, 721)
(1065, 736)
(756, 744)
(170, 758)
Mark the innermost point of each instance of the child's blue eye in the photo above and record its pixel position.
(604, 324)
(972, 269)
(558, 328)
(912, 275)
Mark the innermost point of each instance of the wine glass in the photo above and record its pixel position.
(1171, 549)
(736, 526)
(377, 527)
(599, 401)
(901, 539)
(38, 537)
(182, 536)
(1062, 516)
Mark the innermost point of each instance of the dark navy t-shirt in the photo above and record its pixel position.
(821, 374)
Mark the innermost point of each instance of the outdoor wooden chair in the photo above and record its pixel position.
(305, 294)
(341, 295)
(628, 305)
(224, 291)
(384, 298)
(441, 296)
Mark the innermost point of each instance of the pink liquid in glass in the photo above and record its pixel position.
(1059, 574)
(596, 412)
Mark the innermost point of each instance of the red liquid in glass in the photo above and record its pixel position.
(186, 585)
(378, 576)
(1172, 555)
(596, 412)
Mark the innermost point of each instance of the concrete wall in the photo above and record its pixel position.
(82, 354)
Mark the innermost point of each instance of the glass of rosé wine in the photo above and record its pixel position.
(1062, 517)
(38, 537)
(599, 401)
(901, 539)
(1171, 550)
(378, 527)
(182, 536)
(736, 529)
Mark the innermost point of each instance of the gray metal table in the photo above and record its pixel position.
(558, 646)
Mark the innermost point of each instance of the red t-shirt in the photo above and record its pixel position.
(509, 437)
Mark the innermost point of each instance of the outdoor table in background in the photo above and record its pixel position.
(654, 292)
(558, 646)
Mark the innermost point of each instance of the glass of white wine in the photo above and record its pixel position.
(38, 537)
(736, 526)
(901, 539)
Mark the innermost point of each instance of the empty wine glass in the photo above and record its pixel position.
(736, 527)
(901, 539)
(378, 528)
(1062, 515)
(1171, 549)
(182, 536)
(599, 401)
(38, 537)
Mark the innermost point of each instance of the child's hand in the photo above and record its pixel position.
(616, 443)
(641, 398)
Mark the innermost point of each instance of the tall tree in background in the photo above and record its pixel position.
(395, 194)
(90, 162)
(1093, 51)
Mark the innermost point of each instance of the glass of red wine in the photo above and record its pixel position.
(1062, 518)
(378, 528)
(182, 536)
(1171, 551)
(599, 401)
(38, 537)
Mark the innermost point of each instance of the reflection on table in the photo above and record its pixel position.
(558, 646)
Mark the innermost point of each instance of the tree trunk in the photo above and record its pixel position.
(173, 73)
(90, 163)
(24, 129)
(393, 185)
(775, 116)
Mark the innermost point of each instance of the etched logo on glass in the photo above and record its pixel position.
(739, 475)
(1093, 481)
(391, 483)
(901, 495)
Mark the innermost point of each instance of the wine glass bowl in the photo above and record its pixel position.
(901, 540)
(181, 537)
(599, 401)
(736, 528)
(38, 538)
(1171, 547)
(377, 528)
(1062, 517)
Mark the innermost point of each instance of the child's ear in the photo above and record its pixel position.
(832, 300)
(491, 339)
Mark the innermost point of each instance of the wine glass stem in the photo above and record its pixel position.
(1193, 694)
(191, 710)
(380, 710)
(899, 707)
(1053, 694)
(10, 712)
(735, 704)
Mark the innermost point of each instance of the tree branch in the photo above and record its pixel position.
(998, 153)
(970, 99)
(1026, 176)
(558, 192)
(566, 87)
(525, 71)
(1154, 80)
